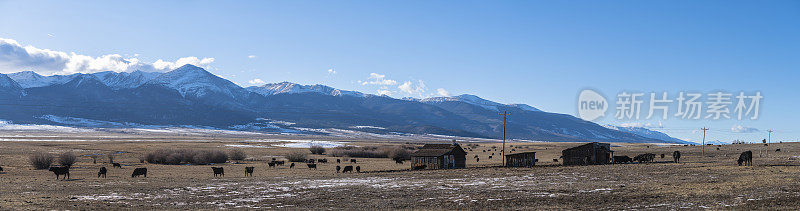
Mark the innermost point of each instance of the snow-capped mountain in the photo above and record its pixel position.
(193, 81)
(475, 100)
(644, 132)
(125, 80)
(293, 88)
(7, 83)
(30, 79)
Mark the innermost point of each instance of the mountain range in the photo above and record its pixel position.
(190, 95)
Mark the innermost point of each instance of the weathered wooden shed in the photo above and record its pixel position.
(588, 154)
(522, 159)
(439, 156)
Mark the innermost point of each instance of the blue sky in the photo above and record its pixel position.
(540, 53)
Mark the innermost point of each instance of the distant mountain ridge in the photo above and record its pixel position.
(190, 95)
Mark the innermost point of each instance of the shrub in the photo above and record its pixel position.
(182, 156)
(399, 153)
(296, 156)
(237, 155)
(41, 160)
(393, 152)
(66, 159)
(317, 150)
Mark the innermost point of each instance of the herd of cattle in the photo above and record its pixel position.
(745, 158)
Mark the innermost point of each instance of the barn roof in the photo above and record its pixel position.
(433, 150)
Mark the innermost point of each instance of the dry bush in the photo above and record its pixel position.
(296, 156)
(399, 153)
(182, 156)
(41, 160)
(317, 150)
(67, 159)
(237, 155)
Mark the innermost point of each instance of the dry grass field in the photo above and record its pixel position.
(710, 182)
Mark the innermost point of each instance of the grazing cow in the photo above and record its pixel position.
(621, 159)
(116, 165)
(1, 168)
(322, 161)
(338, 160)
(352, 160)
(347, 169)
(476, 156)
(64, 170)
(139, 172)
(291, 166)
(272, 164)
(420, 167)
(643, 158)
(746, 158)
(676, 156)
(218, 171)
(280, 162)
(777, 150)
(249, 170)
(312, 165)
(338, 168)
(717, 148)
(490, 157)
(484, 150)
(102, 172)
(662, 156)
(477, 160)
(555, 160)
(358, 169)
(398, 161)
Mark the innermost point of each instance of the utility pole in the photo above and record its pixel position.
(703, 149)
(503, 153)
(769, 140)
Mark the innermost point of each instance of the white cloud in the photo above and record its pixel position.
(256, 81)
(14, 58)
(378, 79)
(331, 71)
(743, 129)
(384, 92)
(409, 88)
(442, 92)
(251, 57)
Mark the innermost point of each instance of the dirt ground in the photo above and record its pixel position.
(710, 182)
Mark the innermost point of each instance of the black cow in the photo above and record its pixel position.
(643, 158)
(476, 156)
(352, 160)
(280, 162)
(676, 156)
(746, 158)
(291, 166)
(64, 170)
(347, 169)
(1, 168)
(139, 172)
(358, 169)
(272, 164)
(477, 160)
(218, 171)
(620, 159)
(116, 165)
(249, 170)
(312, 165)
(102, 172)
(662, 156)
(420, 167)
(322, 160)
(338, 168)
(555, 160)
(311, 161)
(398, 161)
(490, 157)
(777, 150)
(338, 160)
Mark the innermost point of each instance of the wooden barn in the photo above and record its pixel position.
(588, 154)
(439, 156)
(522, 159)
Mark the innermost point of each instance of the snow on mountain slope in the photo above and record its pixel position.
(123, 80)
(647, 133)
(8, 83)
(30, 79)
(475, 100)
(190, 80)
(293, 88)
